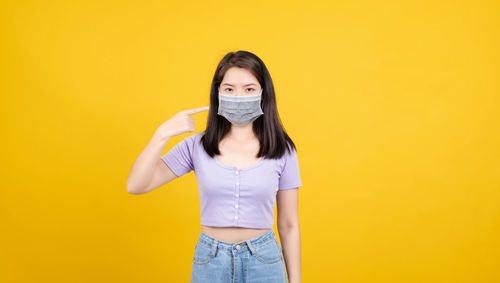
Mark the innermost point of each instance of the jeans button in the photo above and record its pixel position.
(238, 247)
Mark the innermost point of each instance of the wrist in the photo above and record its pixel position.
(161, 137)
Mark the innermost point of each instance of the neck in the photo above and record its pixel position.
(241, 132)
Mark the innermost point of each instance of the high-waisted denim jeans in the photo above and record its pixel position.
(255, 260)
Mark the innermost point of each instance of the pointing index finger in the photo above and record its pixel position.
(196, 110)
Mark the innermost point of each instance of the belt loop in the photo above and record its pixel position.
(252, 250)
(214, 247)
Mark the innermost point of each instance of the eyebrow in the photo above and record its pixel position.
(233, 85)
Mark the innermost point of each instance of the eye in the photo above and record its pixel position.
(228, 89)
(251, 88)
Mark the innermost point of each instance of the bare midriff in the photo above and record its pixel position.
(232, 234)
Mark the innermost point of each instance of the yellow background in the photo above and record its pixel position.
(393, 106)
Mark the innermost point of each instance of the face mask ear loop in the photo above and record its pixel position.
(261, 100)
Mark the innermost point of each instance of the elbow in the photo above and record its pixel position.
(290, 225)
(133, 190)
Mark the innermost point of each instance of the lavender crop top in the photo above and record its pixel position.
(230, 196)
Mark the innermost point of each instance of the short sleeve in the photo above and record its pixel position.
(290, 175)
(180, 158)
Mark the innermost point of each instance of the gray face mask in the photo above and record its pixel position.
(240, 110)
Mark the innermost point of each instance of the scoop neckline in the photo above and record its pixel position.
(261, 161)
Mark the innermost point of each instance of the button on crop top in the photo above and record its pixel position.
(230, 196)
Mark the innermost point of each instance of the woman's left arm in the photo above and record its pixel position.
(289, 232)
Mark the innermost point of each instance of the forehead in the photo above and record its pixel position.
(239, 76)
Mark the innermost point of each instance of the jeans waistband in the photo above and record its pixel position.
(237, 246)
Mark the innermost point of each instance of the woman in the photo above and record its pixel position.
(244, 163)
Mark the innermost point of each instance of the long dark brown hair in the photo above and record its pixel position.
(268, 128)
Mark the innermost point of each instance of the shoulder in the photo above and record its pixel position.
(194, 137)
(290, 153)
(193, 140)
(289, 156)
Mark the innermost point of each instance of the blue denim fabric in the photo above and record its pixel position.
(259, 259)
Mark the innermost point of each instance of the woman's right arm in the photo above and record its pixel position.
(149, 171)
(148, 166)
